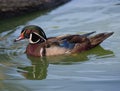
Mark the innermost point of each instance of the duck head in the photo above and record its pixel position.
(34, 33)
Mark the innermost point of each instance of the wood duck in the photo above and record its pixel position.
(40, 45)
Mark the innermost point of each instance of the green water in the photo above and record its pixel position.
(95, 70)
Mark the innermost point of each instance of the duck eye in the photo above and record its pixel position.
(27, 33)
(27, 36)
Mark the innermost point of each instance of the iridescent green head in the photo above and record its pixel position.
(34, 33)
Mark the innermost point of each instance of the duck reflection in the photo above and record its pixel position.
(37, 70)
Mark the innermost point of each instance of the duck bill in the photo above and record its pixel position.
(21, 37)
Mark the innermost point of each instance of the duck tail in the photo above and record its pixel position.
(97, 39)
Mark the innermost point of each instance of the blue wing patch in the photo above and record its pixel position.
(67, 44)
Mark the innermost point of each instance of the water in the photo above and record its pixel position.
(94, 70)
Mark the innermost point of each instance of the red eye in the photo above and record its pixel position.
(28, 31)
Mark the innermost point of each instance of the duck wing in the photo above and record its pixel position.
(91, 42)
(79, 43)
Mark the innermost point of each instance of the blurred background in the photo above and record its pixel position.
(95, 70)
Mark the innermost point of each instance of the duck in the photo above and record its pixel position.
(40, 45)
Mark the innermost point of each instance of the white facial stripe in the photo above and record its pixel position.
(39, 36)
(30, 40)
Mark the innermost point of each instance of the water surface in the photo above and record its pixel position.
(95, 70)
